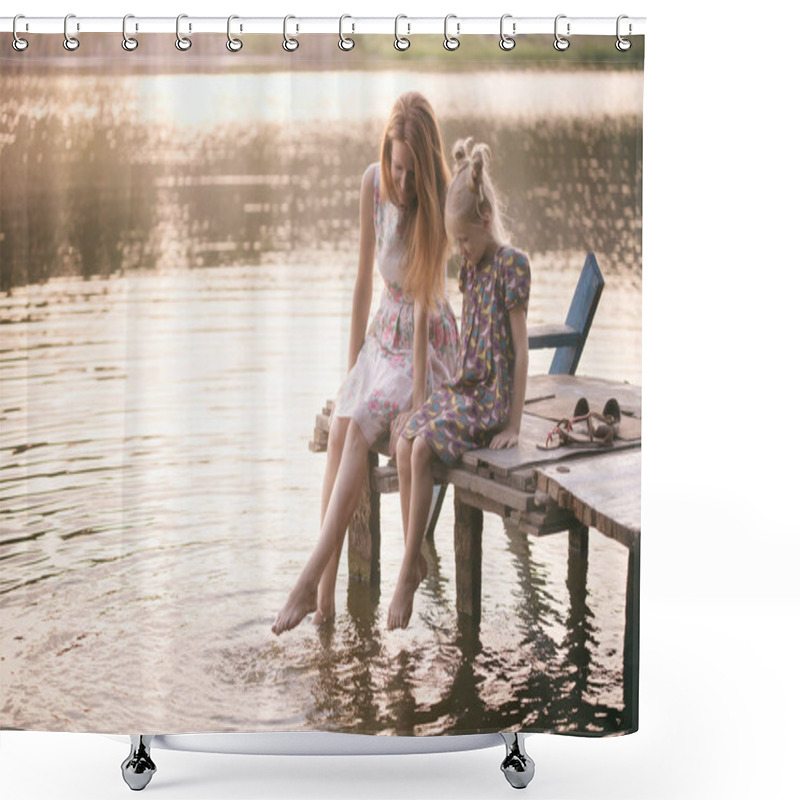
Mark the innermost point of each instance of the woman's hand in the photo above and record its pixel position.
(506, 438)
(398, 426)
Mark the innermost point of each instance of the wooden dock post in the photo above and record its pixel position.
(364, 532)
(630, 658)
(577, 627)
(468, 535)
(577, 568)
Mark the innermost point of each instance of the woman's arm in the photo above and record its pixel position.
(509, 436)
(362, 292)
(420, 369)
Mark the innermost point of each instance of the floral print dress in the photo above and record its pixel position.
(380, 385)
(465, 413)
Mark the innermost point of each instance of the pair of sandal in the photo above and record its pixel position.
(600, 429)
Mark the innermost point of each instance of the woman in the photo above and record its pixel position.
(411, 345)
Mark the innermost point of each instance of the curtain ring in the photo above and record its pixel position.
(622, 44)
(129, 43)
(345, 43)
(182, 42)
(400, 42)
(71, 43)
(289, 44)
(451, 42)
(506, 42)
(19, 44)
(233, 44)
(560, 42)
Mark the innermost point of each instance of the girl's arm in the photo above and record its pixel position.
(509, 436)
(362, 293)
(419, 373)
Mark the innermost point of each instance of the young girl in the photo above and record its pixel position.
(410, 348)
(483, 404)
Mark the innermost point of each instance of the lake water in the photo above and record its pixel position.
(175, 313)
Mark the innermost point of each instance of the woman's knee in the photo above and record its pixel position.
(355, 443)
(337, 436)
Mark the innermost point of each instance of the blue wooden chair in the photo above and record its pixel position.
(568, 339)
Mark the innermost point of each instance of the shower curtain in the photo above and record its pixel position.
(179, 236)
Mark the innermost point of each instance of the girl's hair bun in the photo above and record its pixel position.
(461, 152)
(472, 196)
(468, 153)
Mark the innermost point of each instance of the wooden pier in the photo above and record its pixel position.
(571, 488)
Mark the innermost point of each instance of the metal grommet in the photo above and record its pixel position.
(182, 42)
(289, 44)
(18, 43)
(345, 43)
(233, 44)
(71, 43)
(451, 42)
(129, 43)
(622, 44)
(560, 42)
(506, 42)
(400, 42)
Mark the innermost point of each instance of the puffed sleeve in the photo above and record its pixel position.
(517, 278)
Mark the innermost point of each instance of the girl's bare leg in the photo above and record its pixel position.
(342, 503)
(414, 568)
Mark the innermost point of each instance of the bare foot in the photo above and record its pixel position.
(325, 611)
(300, 602)
(403, 600)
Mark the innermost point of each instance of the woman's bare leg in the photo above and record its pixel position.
(342, 503)
(327, 585)
(414, 568)
(404, 447)
(336, 439)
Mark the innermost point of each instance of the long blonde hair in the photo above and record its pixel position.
(472, 197)
(413, 122)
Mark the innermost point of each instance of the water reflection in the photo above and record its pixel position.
(93, 194)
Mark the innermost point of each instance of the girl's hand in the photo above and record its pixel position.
(506, 438)
(398, 426)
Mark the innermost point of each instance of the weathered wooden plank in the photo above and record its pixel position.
(319, 444)
(483, 503)
(552, 335)
(603, 491)
(385, 479)
(545, 522)
(521, 479)
(533, 432)
(491, 489)
(595, 390)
